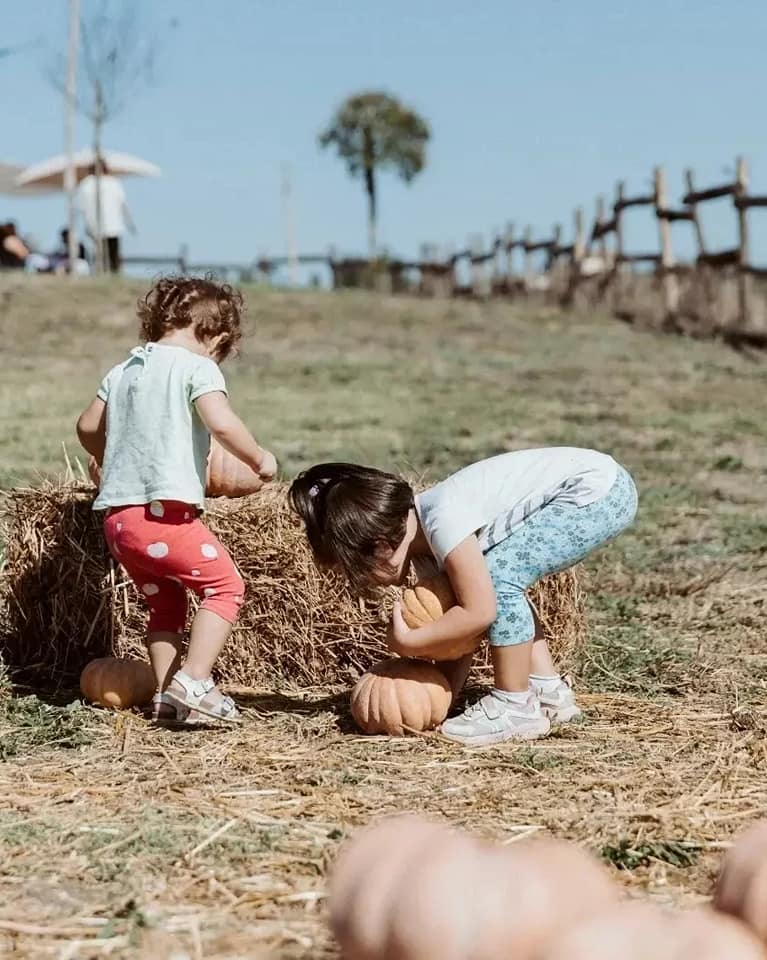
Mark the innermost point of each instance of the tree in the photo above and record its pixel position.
(373, 132)
(117, 55)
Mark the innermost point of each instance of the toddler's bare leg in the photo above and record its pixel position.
(209, 634)
(164, 655)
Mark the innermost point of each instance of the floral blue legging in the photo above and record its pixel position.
(554, 538)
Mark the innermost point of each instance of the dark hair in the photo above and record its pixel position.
(174, 303)
(348, 511)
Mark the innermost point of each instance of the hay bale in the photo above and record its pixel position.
(64, 601)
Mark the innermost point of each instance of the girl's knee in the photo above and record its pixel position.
(225, 597)
(514, 623)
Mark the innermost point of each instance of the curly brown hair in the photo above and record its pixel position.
(212, 308)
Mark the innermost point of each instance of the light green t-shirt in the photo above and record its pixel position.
(157, 446)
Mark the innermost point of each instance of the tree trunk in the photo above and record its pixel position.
(98, 121)
(369, 159)
(370, 188)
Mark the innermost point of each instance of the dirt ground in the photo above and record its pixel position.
(117, 840)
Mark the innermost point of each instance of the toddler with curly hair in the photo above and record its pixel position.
(150, 426)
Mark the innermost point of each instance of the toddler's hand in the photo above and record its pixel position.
(268, 466)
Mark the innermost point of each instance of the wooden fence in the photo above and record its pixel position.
(713, 295)
(717, 294)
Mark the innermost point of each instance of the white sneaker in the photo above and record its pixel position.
(559, 704)
(492, 720)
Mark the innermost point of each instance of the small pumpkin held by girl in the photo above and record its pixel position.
(495, 528)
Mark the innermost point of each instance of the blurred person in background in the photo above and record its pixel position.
(115, 215)
(13, 251)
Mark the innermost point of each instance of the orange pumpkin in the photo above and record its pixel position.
(412, 890)
(94, 471)
(426, 602)
(742, 887)
(643, 931)
(398, 694)
(117, 683)
(228, 476)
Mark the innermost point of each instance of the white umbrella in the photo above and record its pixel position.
(50, 174)
(8, 175)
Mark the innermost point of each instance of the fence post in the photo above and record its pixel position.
(528, 239)
(509, 241)
(183, 258)
(744, 279)
(669, 281)
(576, 258)
(702, 270)
(478, 268)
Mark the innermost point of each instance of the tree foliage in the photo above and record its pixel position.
(374, 131)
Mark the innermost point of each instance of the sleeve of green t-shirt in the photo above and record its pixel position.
(205, 377)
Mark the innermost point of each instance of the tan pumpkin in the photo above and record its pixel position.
(369, 873)
(411, 890)
(643, 931)
(399, 695)
(426, 602)
(94, 471)
(117, 683)
(742, 887)
(228, 476)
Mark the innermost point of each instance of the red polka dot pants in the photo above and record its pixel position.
(164, 548)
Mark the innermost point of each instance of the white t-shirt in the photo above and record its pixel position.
(157, 445)
(112, 205)
(492, 497)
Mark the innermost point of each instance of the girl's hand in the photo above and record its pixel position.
(399, 632)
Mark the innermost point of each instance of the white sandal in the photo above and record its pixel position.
(166, 712)
(202, 696)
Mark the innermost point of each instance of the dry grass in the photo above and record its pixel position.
(119, 840)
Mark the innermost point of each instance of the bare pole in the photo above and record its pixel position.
(70, 178)
(289, 226)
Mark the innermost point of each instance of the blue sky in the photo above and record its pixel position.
(535, 107)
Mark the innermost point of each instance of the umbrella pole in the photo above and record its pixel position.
(69, 123)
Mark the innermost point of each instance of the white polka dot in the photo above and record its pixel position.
(209, 551)
(195, 573)
(186, 516)
(238, 599)
(157, 550)
(156, 509)
(150, 589)
(209, 591)
(119, 527)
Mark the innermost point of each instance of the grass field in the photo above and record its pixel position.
(122, 841)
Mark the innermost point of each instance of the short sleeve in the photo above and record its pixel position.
(103, 391)
(206, 377)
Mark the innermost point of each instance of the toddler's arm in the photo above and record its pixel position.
(92, 428)
(474, 612)
(224, 424)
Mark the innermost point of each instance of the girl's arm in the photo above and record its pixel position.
(92, 429)
(217, 415)
(473, 613)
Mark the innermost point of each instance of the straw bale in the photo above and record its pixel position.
(65, 602)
